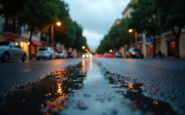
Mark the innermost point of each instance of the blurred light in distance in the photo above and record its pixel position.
(110, 51)
(16, 44)
(130, 30)
(83, 47)
(58, 23)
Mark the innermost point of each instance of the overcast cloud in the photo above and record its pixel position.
(96, 17)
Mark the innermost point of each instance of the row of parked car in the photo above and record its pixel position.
(50, 53)
(11, 51)
(131, 53)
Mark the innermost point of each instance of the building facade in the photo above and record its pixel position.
(168, 44)
(10, 31)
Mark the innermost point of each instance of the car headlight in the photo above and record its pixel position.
(83, 55)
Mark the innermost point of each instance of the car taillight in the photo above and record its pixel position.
(133, 53)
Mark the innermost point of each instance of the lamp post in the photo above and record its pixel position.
(135, 35)
(58, 23)
(83, 47)
(110, 51)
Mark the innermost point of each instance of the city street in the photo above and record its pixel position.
(56, 58)
(101, 86)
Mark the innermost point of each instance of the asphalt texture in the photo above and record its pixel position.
(14, 74)
(162, 79)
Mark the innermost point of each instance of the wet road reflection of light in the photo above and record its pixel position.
(49, 96)
(59, 90)
(130, 86)
(91, 62)
(138, 101)
(155, 102)
(61, 73)
(84, 66)
(55, 105)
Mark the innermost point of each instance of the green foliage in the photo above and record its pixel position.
(11, 8)
(172, 12)
(41, 14)
(117, 36)
(144, 17)
(159, 15)
(70, 34)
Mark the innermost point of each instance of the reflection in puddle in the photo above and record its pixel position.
(130, 86)
(59, 90)
(139, 102)
(84, 66)
(48, 96)
(91, 62)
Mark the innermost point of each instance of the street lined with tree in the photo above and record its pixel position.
(151, 17)
(40, 15)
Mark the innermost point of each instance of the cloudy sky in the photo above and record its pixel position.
(96, 17)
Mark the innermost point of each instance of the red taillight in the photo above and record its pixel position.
(133, 53)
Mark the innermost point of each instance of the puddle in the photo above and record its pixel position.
(133, 90)
(48, 96)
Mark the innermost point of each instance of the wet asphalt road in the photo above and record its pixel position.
(14, 74)
(163, 79)
(96, 86)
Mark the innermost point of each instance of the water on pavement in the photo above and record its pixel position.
(83, 89)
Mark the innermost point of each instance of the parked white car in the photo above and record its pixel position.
(9, 50)
(46, 53)
(61, 54)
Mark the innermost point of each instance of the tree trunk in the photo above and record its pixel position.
(177, 48)
(177, 40)
(30, 41)
(154, 46)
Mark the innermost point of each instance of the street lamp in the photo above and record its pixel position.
(135, 34)
(110, 51)
(83, 47)
(130, 30)
(58, 23)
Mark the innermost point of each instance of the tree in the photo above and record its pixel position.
(172, 15)
(71, 34)
(117, 36)
(145, 19)
(38, 14)
(11, 8)
(156, 15)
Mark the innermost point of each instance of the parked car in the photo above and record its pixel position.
(9, 50)
(69, 55)
(85, 55)
(109, 55)
(46, 53)
(134, 53)
(119, 55)
(61, 54)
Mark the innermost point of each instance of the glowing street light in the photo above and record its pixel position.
(83, 47)
(130, 30)
(110, 51)
(58, 23)
(135, 33)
